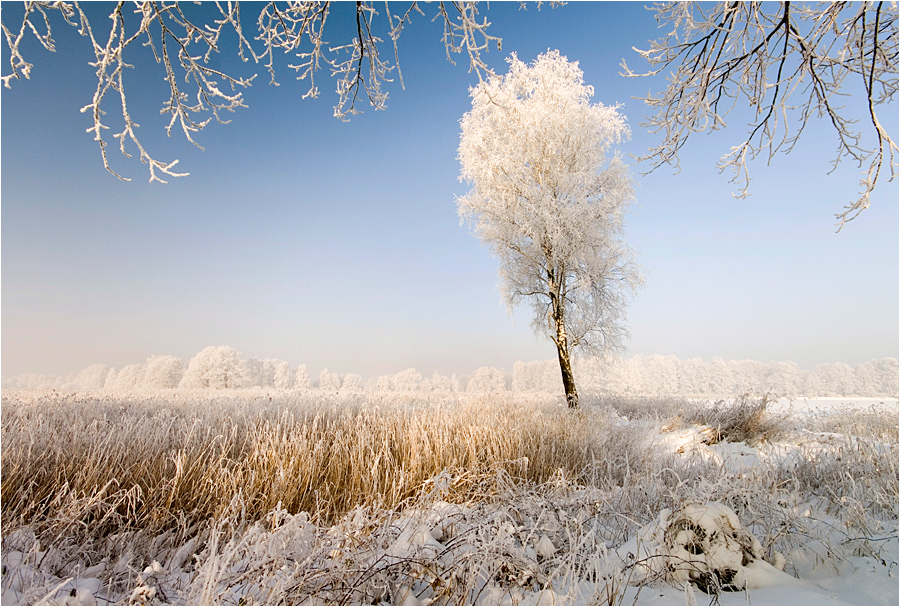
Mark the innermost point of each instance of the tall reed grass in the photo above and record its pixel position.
(144, 462)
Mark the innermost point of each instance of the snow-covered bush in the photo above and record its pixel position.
(706, 544)
(745, 419)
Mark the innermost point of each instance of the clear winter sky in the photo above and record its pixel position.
(337, 245)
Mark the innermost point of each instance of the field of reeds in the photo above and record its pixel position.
(205, 497)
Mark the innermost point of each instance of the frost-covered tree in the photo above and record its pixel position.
(526, 377)
(549, 200)
(407, 380)
(301, 379)
(487, 380)
(283, 376)
(185, 40)
(89, 378)
(836, 377)
(889, 374)
(441, 383)
(330, 381)
(792, 62)
(254, 373)
(352, 383)
(661, 374)
(163, 372)
(216, 367)
(266, 373)
(127, 379)
(720, 377)
(784, 379)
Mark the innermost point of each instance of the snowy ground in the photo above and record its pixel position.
(825, 404)
(559, 543)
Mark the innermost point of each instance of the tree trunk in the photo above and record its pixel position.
(562, 350)
(557, 320)
(565, 366)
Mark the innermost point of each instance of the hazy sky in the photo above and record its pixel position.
(337, 245)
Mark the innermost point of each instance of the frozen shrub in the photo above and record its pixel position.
(746, 419)
(705, 544)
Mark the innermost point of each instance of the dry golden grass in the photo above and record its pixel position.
(151, 462)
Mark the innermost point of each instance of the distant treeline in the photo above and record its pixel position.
(224, 368)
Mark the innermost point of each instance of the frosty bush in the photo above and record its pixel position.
(706, 544)
(745, 419)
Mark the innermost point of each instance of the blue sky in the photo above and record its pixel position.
(337, 245)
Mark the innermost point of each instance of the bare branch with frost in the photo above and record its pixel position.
(198, 93)
(792, 63)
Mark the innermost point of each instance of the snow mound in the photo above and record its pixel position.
(705, 544)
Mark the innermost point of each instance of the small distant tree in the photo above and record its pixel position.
(487, 380)
(89, 378)
(330, 381)
(254, 372)
(130, 377)
(163, 372)
(352, 383)
(284, 376)
(216, 367)
(889, 374)
(550, 201)
(266, 373)
(441, 383)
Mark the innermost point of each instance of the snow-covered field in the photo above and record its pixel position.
(402, 499)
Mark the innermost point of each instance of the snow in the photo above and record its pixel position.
(820, 404)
